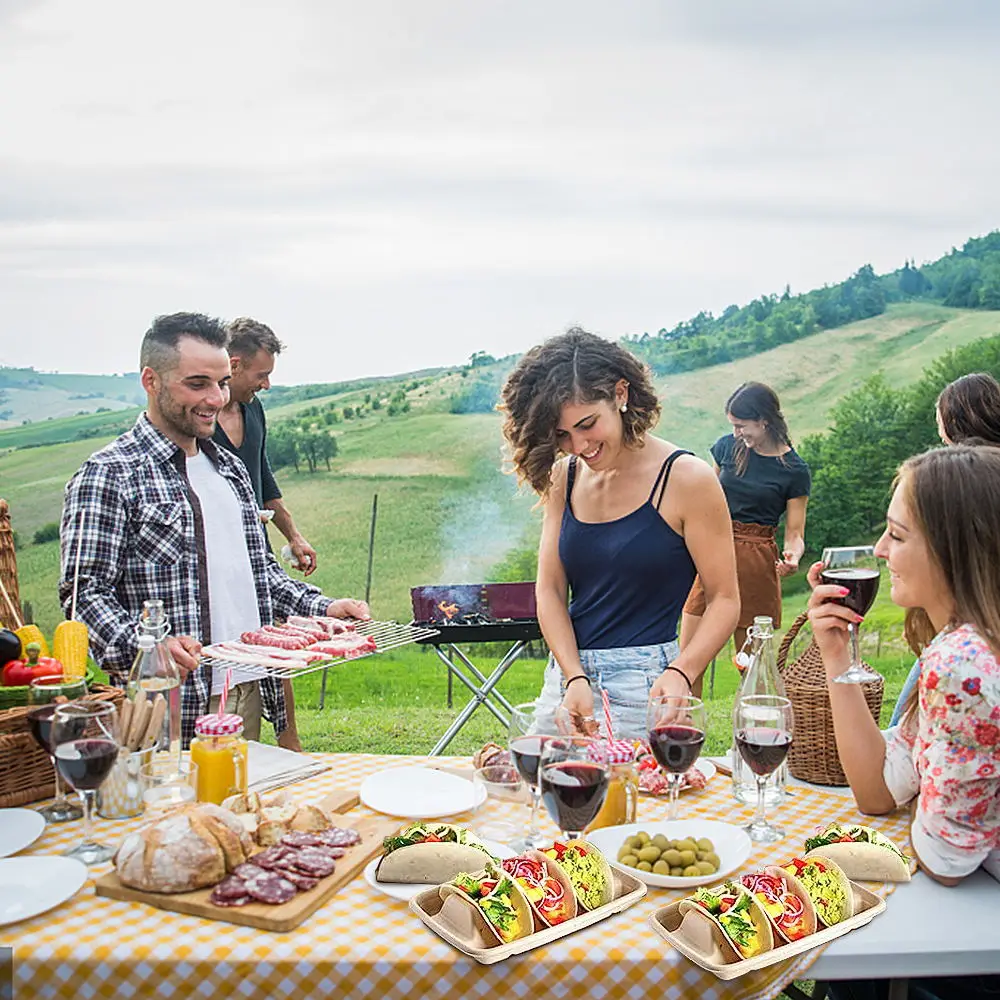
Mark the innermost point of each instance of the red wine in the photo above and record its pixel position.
(862, 585)
(527, 752)
(40, 723)
(763, 749)
(85, 764)
(675, 747)
(573, 793)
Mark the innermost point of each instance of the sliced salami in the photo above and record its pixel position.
(338, 836)
(271, 888)
(274, 861)
(330, 852)
(231, 887)
(302, 882)
(312, 862)
(297, 839)
(235, 901)
(245, 871)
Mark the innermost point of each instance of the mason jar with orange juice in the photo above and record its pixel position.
(621, 802)
(220, 753)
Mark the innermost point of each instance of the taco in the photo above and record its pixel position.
(739, 915)
(497, 900)
(828, 887)
(862, 852)
(546, 885)
(784, 900)
(587, 869)
(432, 853)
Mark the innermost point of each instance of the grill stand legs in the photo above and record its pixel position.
(483, 694)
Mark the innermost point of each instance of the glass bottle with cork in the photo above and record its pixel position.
(760, 676)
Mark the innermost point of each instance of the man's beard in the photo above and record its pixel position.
(181, 420)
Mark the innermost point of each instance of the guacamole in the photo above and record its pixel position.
(825, 887)
(586, 871)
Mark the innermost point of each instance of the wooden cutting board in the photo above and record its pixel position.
(284, 917)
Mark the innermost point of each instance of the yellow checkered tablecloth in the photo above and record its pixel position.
(365, 944)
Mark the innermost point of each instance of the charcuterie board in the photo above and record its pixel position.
(285, 916)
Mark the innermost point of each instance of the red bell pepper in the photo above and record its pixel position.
(19, 673)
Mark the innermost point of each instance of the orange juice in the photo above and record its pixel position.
(220, 752)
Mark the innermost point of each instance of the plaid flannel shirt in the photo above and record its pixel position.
(143, 537)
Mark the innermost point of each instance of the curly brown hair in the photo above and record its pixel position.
(575, 367)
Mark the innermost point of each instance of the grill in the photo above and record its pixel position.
(476, 613)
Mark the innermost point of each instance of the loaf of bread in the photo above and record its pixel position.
(188, 848)
(490, 754)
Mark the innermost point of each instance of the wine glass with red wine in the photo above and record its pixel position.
(762, 725)
(573, 778)
(856, 570)
(85, 739)
(676, 728)
(526, 741)
(43, 693)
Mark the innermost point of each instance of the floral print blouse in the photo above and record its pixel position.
(947, 756)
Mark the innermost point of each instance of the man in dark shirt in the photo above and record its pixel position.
(242, 427)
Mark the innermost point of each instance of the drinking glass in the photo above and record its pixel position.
(573, 777)
(43, 691)
(501, 783)
(85, 739)
(762, 726)
(166, 784)
(676, 728)
(526, 742)
(856, 569)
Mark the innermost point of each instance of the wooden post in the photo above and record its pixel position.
(8, 561)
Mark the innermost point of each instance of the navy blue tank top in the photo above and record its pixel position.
(628, 578)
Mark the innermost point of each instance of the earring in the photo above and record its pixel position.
(623, 407)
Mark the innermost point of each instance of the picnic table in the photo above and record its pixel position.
(364, 943)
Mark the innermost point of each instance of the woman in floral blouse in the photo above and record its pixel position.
(942, 547)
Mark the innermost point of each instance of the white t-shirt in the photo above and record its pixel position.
(232, 596)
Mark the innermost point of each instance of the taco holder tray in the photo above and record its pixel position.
(627, 890)
(667, 922)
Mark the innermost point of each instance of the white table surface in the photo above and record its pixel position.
(927, 929)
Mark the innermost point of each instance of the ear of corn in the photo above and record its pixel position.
(31, 633)
(70, 646)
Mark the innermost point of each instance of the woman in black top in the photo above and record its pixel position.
(764, 480)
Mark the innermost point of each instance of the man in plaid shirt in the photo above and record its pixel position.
(169, 515)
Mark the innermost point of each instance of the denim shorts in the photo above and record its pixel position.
(626, 673)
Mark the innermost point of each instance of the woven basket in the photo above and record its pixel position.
(813, 756)
(25, 769)
(16, 697)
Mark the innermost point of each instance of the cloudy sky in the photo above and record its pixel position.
(392, 185)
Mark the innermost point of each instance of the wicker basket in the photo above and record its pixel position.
(813, 756)
(17, 697)
(25, 769)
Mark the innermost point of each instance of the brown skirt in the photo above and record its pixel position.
(756, 572)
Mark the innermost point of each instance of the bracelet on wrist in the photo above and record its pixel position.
(677, 670)
(577, 677)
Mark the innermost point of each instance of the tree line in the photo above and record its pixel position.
(965, 278)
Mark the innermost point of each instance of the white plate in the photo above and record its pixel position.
(18, 829)
(706, 767)
(32, 885)
(420, 793)
(407, 890)
(731, 844)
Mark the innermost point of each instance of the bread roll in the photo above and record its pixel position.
(310, 819)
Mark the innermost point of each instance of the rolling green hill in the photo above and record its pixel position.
(446, 511)
(28, 396)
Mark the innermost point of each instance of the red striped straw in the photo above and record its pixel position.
(226, 682)
(607, 714)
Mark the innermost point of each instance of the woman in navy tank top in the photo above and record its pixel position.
(628, 520)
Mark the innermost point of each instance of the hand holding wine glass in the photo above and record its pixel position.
(86, 740)
(573, 778)
(856, 572)
(762, 725)
(676, 727)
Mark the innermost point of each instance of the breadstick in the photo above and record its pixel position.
(124, 719)
(155, 722)
(138, 710)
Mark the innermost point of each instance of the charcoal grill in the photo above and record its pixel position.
(476, 613)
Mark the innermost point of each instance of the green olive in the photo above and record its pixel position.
(637, 843)
(692, 871)
(713, 858)
(686, 845)
(705, 845)
(650, 854)
(661, 842)
(630, 861)
(688, 858)
(644, 866)
(661, 868)
(677, 871)
(643, 836)
(706, 867)
(626, 848)
(672, 857)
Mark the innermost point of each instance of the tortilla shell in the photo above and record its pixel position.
(560, 876)
(820, 855)
(525, 920)
(865, 862)
(432, 863)
(757, 915)
(609, 876)
(799, 889)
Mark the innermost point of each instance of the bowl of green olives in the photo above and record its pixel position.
(677, 854)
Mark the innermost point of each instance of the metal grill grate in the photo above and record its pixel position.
(387, 635)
